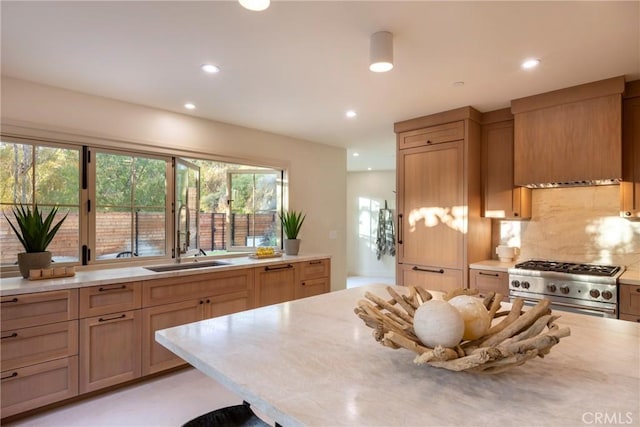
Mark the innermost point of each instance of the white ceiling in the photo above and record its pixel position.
(295, 68)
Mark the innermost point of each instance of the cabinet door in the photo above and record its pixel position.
(432, 211)
(275, 284)
(501, 198)
(98, 300)
(156, 357)
(38, 385)
(486, 281)
(221, 305)
(23, 311)
(28, 346)
(431, 135)
(110, 350)
(431, 278)
(629, 299)
(312, 287)
(630, 187)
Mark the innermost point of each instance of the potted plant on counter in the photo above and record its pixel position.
(35, 233)
(291, 224)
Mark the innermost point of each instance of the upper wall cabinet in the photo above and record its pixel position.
(569, 136)
(501, 199)
(630, 186)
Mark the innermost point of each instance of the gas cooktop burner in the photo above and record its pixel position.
(569, 267)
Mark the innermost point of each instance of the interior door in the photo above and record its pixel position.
(187, 193)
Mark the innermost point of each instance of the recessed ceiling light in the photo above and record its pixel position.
(356, 154)
(351, 114)
(368, 169)
(210, 68)
(255, 5)
(189, 106)
(530, 63)
(458, 84)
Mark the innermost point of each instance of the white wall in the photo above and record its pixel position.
(366, 193)
(37, 109)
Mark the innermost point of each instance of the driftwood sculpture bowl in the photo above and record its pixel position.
(514, 337)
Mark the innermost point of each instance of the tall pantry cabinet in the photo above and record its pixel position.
(440, 226)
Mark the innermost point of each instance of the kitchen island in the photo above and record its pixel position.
(313, 362)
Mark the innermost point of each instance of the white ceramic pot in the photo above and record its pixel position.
(507, 253)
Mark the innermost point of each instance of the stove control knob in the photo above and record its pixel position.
(594, 293)
(564, 289)
(525, 285)
(607, 294)
(515, 283)
(551, 287)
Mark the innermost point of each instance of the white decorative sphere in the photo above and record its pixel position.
(437, 322)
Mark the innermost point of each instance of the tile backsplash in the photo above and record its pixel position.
(575, 224)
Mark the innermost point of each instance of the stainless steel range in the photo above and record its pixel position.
(584, 288)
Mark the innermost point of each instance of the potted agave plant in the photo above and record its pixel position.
(291, 224)
(35, 233)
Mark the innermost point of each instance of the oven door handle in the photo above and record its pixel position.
(574, 306)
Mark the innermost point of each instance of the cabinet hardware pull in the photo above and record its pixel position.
(201, 302)
(637, 289)
(304, 284)
(488, 274)
(399, 229)
(11, 300)
(428, 270)
(15, 374)
(428, 141)
(282, 267)
(315, 262)
(627, 213)
(112, 289)
(13, 335)
(122, 316)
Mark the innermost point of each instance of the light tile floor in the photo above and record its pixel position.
(169, 400)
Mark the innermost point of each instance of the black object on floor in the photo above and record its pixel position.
(231, 416)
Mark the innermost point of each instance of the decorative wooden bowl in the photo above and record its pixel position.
(510, 341)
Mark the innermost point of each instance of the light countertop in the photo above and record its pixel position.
(106, 276)
(313, 362)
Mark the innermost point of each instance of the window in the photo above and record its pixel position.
(123, 205)
(46, 175)
(130, 200)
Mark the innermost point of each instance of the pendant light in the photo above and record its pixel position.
(255, 5)
(381, 52)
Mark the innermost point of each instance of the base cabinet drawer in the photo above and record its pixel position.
(38, 385)
(29, 346)
(486, 281)
(23, 311)
(432, 278)
(314, 269)
(110, 349)
(312, 287)
(98, 300)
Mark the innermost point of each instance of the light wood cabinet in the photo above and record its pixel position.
(39, 349)
(630, 186)
(38, 385)
(432, 278)
(486, 281)
(440, 224)
(432, 135)
(570, 135)
(275, 284)
(110, 350)
(629, 297)
(98, 300)
(28, 346)
(315, 278)
(501, 198)
(23, 311)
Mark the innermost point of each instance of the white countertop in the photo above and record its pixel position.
(313, 362)
(106, 276)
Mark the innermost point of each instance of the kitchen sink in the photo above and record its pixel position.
(189, 266)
